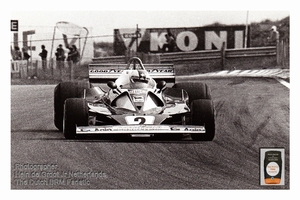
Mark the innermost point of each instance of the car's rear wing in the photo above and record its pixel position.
(101, 73)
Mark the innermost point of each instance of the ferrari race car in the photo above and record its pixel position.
(134, 104)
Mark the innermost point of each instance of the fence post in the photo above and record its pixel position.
(24, 70)
(282, 54)
(223, 56)
(71, 71)
(36, 69)
(278, 53)
(51, 62)
(286, 53)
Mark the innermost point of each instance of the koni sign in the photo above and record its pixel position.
(155, 40)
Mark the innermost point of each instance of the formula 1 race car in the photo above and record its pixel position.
(134, 104)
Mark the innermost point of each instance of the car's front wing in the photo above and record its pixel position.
(140, 129)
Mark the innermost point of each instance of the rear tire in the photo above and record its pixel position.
(75, 114)
(62, 92)
(202, 113)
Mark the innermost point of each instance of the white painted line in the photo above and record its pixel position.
(265, 72)
(254, 71)
(262, 72)
(222, 72)
(271, 73)
(286, 84)
(235, 72)
(245, 72)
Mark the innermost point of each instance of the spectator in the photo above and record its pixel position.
(17, 55)
(170, 34)
(26, 56)
(171, 44)
(60, 58)
(60, 53)
(73, 55)
(43, 55)
(274, 36)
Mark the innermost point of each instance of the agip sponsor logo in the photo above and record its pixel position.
(200, 129)
(92, 129)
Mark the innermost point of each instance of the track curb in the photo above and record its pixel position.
(270, 73)
(279, 74)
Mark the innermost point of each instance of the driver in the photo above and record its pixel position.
(141, 77)
(125, 77)
(135, 79)
(142, 80)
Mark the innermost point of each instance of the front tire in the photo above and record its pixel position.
(75, 114)
(62, 92)
(202, 113)
(195, 90)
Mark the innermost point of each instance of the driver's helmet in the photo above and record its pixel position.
(141, 76)
(141, 79)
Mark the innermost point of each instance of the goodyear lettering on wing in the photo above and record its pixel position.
(106, 70)
(160, 70)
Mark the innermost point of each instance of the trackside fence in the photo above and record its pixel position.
(47, 70)
(185, 63)
(283, 53)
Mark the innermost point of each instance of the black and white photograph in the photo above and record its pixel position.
(159, 99)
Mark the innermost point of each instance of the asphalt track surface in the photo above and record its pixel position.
(250, 113)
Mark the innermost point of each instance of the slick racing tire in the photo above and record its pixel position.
(62, 92)
(202, 113)
(75, 114)
(195, 90)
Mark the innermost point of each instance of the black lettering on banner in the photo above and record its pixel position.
(14, 25)
(141, 120)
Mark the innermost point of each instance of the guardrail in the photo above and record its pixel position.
(189, 56)
(249, 52)
(183, 57)
(217, 54)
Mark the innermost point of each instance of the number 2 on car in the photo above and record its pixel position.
(139, 119)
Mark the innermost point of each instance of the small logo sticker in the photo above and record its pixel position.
(272, 166)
